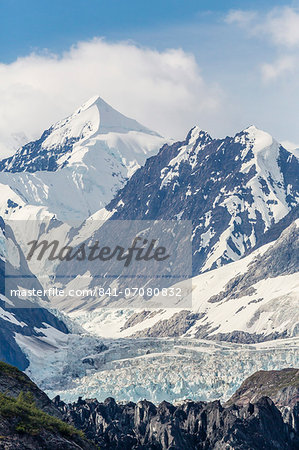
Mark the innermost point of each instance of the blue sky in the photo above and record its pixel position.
(30, 25)
(221, 65)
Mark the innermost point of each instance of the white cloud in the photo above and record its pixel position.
(282, 25)
(240, 17)
(163, 90)
(279, 67)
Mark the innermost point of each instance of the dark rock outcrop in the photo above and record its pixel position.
(190, 425)
(282, 386)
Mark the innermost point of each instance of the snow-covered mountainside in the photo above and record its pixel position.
(23, 319)
(238, 192)
(233, 190)
(77, 165)
(251, 300)
(241, 194)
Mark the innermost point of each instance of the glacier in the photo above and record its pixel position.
(155, 369)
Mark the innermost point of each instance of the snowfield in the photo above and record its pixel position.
(268, 309)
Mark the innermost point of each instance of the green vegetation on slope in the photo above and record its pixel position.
(31, 420)
(7, 369)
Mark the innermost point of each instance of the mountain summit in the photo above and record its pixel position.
(88, 156)
(233, 189)
(93, 118)
(108, 119)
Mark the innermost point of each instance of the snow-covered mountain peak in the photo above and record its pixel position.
(81, 125)
(113, 121)
(110, 120)
(196, 140)
(88, 156)
(252, 129)
(88, 104)
(195, 133)
(93, 117)
(258, 138)
(233, 189)
(261, 152)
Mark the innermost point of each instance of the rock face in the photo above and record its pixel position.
(191, 425)
(282, 386)
(13, 381)
(233, 190)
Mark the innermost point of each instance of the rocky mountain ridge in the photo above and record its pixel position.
(233, 190)
(189, 425)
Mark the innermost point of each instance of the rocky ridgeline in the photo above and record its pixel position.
(190, 425)
(250, 420)
(282, 386)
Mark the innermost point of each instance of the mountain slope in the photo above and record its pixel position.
(251, 300)
(21, 318)
(238, 192)
(13, 381)
(28, 418)
(88, 156)
(282, 386)
(233, 190)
